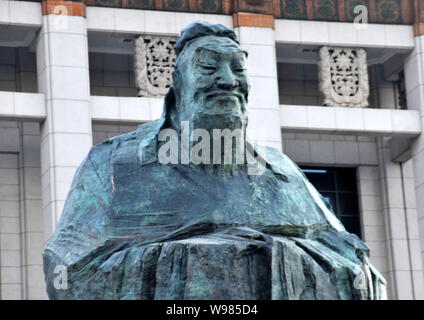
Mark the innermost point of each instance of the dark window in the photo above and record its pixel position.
(339, 189)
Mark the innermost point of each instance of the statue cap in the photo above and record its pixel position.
(199, 29)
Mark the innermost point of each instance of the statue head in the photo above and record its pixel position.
(210, 82)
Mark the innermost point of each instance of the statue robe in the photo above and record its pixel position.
(133, 228)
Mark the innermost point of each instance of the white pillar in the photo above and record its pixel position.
(264, 116)
(63, 76)
(372, 218)
(405, 273)
(414, 85)
(412, 228)
(10, 224)
(32, 237)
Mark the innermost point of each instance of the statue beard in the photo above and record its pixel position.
(220, 121)
(219, 113)
(236, 124)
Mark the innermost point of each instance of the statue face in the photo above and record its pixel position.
(213, 83)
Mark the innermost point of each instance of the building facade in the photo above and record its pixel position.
(70, 77)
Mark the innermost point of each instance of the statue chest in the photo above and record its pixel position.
(166, 198)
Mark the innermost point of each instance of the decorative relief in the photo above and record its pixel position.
(293, 9)
(140, 4)
(379, 11)
(344, 77)
(209, 6)
(325, 10)
(253, 6)
(154, 61)
(176, 5)
(389, 11)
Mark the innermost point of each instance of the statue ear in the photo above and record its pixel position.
(169, 107)
(176, 78)
(176, 86)
(169, 102)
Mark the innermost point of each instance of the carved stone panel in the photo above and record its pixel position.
(343, 77)
(154, 62)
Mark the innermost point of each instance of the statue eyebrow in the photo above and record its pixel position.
(199, 49)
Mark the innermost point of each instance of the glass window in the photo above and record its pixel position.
(347, 204)
(339, 189)
(322, 179)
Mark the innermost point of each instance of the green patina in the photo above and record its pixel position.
(148, 4)
(293, 9)
(209, 5)
(135, 228)
(389, 11)
(176, 4)
(326, 9)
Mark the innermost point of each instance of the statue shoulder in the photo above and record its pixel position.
(278, 160)
(119, 150)
(123, 148)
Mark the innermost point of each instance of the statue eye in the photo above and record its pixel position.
(208, 68)
(239, 69)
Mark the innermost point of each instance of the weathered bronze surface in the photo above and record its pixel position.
(136, 228)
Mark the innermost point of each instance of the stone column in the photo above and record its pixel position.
(10, 216)
(372, 217)
(256, 36)
(414, 87)
(412, 229)
(404, 272)
(32, 237)
(63, 76)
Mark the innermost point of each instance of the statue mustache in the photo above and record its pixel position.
(239, 89)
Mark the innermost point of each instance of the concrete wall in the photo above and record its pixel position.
(10, 231)
(21, 221)
(112, 75)
(17, 70)
(101, 132)
(337, 150)
(299, 85)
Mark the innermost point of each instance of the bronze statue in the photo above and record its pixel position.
(153, 214)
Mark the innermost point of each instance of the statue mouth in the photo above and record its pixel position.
(223, 94)
(224, 102)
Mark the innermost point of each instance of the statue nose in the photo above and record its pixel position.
(227, 82)
(226, 79)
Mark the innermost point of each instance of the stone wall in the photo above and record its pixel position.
(17, 70)
(112, 75)
(21, 220)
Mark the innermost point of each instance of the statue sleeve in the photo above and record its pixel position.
(81, 240)
(350, 247)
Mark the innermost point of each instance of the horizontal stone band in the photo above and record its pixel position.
(245, 19)
(68, 8)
